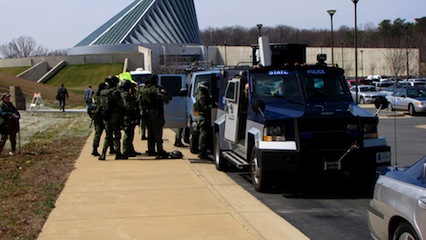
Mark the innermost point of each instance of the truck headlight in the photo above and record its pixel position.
(273, 133)
(370, 131)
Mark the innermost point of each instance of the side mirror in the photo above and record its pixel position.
(258, 106)
(424, 171)
(381, 103)
(183, 92)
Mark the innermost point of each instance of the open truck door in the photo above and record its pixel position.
(231, 110)
(175, 110)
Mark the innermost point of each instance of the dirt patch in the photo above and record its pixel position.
(31, 181)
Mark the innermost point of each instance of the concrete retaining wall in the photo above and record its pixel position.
(35, 72)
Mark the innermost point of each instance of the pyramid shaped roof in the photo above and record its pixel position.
(149, 22)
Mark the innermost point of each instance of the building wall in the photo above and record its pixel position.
(370, 60)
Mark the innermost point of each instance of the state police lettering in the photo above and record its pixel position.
(316, 71)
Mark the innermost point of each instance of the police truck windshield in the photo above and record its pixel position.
(314, 84)
(281, 84)
(325, 87)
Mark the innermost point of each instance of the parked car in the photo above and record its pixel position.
(361, 81)
(383, 84)
(411, 99)
(412, 83)
(389, 90)
(366, 93)
(398, 207)
(378, 78)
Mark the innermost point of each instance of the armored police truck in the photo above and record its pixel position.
(293, 119)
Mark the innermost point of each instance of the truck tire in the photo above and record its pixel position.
(219, 161)
(259, 177)
(193, 139)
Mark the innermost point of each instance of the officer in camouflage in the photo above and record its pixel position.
(203, 105)
(94, 112)
(112, 104)
(153, 98)
(130, 117)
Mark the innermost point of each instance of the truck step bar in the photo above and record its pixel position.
(236, 160)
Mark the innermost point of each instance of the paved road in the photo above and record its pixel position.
(332, 209)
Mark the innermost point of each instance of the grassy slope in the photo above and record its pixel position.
(78, 77)
(75, 77)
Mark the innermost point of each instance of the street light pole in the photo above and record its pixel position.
(343, 62)
(406, 51)
(362, 62)
(356, 51)
(332, 12)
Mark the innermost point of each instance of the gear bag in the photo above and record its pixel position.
(105, 102)
(94, 109)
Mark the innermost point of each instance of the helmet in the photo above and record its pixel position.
(126, 84)
(112, 80)
(204, 84)
(153, 80)
(176, 154)
(102, 86)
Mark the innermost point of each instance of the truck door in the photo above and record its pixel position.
(231, 110)
(175, 110)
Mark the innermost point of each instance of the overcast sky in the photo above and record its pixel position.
(59, 24)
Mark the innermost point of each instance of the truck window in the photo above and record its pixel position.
(140, 78)
(172, 84)
(323, 85)
(201, 78)
(231, 93)
(284, 86)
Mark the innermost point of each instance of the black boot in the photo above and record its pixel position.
(102, 156)
(95, 152)
(178, 143)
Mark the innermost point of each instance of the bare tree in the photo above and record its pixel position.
(396, 59)
(22, 47)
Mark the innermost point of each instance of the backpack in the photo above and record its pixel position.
(94, 109)
(105, 103)
(149, 97)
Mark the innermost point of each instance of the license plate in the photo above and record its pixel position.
(382, 157)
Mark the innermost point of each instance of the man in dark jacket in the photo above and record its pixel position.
(9, 123)
(61, 96)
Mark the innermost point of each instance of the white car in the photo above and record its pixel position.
(398, 207)
(411, 99)
(366, 93)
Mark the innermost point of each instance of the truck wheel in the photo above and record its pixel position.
(219, 161)
(259, 177)
(193, 138)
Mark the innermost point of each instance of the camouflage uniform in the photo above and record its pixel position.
(203, 106)
(153, 98)
(94, 112)
(112, 118)
(130, 118)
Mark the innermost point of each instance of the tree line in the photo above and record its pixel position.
(388, 34)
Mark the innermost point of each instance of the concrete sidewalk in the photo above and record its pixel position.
(145, 198)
